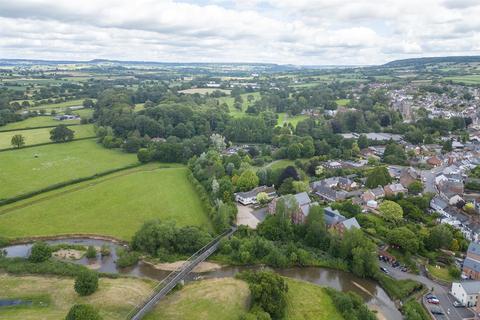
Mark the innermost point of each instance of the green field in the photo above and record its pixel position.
(84, 113)
(309, 302)
(33, 122)
(61, 105)
(467, 79)
(42, 135)
(285, 118)
(114, 298)
(22, 172)
(204, 90)
(230, 102)
(224, 298)
(115, 205)
(342, 102)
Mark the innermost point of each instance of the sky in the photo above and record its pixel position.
(300, 32)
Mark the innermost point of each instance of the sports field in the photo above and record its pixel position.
(42, 135)
(29, 169)
(34, 122)
(115, 205)
(54, 296)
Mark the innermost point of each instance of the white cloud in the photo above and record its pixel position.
(281, 31)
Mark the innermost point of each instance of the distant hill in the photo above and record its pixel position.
(431, 60)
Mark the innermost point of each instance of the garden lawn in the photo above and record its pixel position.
(306, 301)
(114, 298)
(294, 120)
(21, 172)
(213, 299)
(441, 273)
(42, 135)
(34, 122)
(115, 205)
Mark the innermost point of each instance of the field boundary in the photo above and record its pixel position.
(44, 144)
(61, 185)
(40, 127)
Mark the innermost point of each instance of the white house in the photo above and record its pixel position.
(250, 197)
(466, 292)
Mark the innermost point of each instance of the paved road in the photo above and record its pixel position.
(428, 178)
(441, 292)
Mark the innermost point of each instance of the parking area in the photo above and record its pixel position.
(249, 216)
(445, 300)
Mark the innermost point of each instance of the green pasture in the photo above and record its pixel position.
(34, 122)
(42, 135)
(114, 205)
(29, 169)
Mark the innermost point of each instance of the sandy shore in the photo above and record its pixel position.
(202, 267)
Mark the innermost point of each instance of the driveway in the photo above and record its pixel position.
(249, 217)
(441, 292)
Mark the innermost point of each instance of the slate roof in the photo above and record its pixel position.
(302, 198)
(474, 247)
(332, 216)
(471, 264)
(471, 286)
(255, 191)
(351, 223)
(439, 202)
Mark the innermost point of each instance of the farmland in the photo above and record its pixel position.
(42, 135)
(34, 122)
(30, 169)
(203, 90)
(467, 79)
(115, 205)
(56, 106)
(53, 296)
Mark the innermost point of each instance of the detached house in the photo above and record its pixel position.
(394, 189)
(334, 220)
(302, 209)
(250, 197)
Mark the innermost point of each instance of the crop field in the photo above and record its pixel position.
(225, 299)
(204, 90)
(29, 169)
(40, 121)
(53, 296)
(42, 135)
(115, 205)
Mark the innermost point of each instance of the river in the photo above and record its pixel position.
(369, 290)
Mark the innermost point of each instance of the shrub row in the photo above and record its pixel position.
(42, 144)
(65, 184)
(204, 197)
(38, 127)
(50, 267)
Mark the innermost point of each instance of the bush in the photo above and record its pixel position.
(105, 250)
(40, 252)
(350, 305)
(126, 258)
(83, 312)
(413, 310)
(91, 252)
(86, 283)
(398, 289)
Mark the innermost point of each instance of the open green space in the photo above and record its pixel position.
(440, 273)
(307, 301)
(342, 102)
(114, 205)
(203, 90)
(225, 299)
(230, 101)
(29, 169)
(34, 122)
(53, 296)
(42, 135)
(61, 105)
(294, 120)
(467, 79)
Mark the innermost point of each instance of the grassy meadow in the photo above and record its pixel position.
(56, 106)
(114, 297)
(224, 298)
(203, 90)
(115, 205)
(231, 101)
(34, 122)
(29, 169)
(467, 79)
(294, 120)
(42, 135)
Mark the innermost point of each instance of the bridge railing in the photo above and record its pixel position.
(172, 275)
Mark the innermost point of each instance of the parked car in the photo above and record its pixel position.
(384, 270)
(396, 264)
(437, 311)
(433, 301)
(430, 296)
(458, 304)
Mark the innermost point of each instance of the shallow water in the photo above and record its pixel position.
(369, 290)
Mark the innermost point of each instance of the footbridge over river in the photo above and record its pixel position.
(167, 284)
